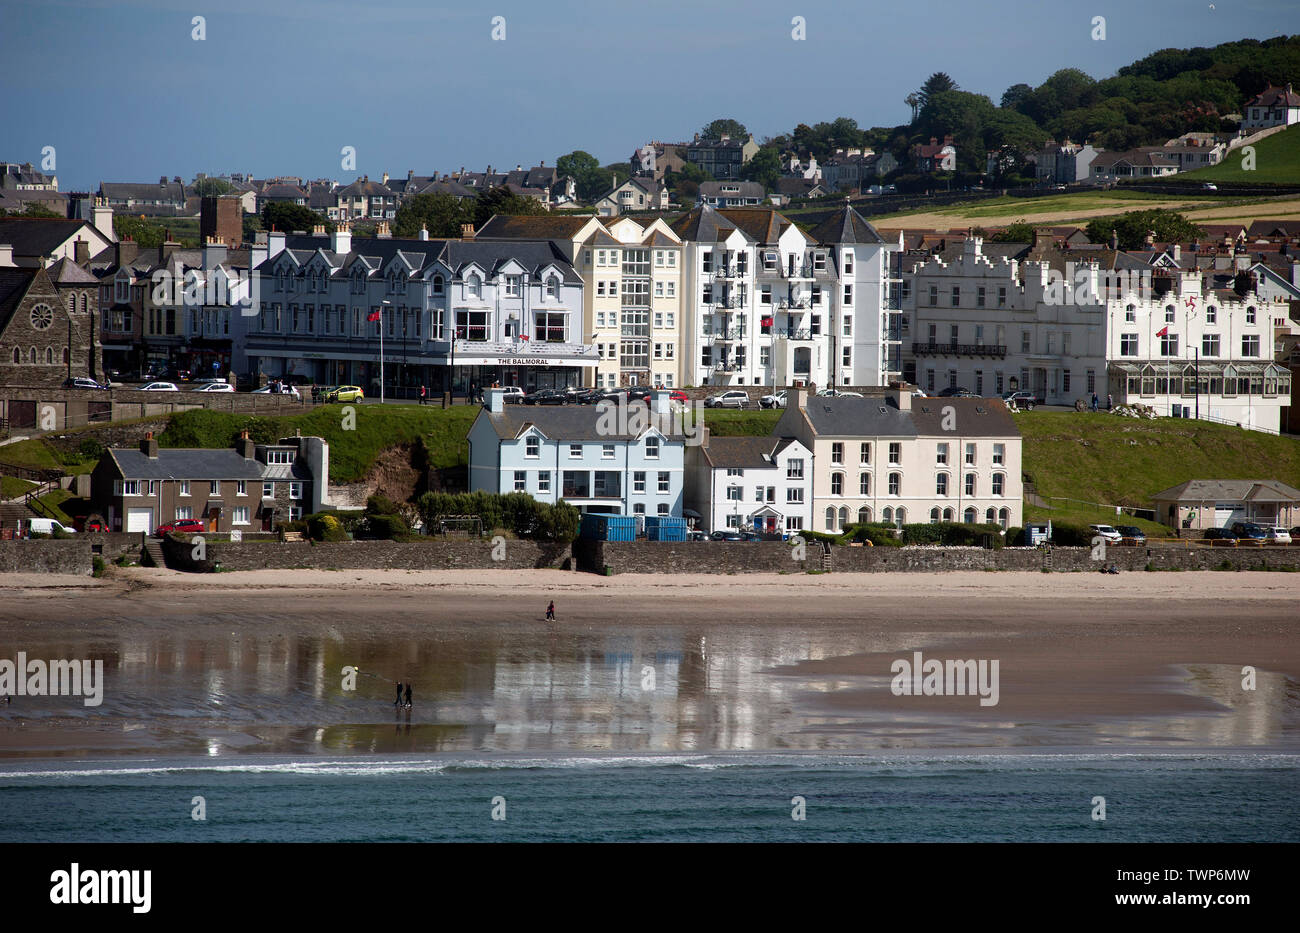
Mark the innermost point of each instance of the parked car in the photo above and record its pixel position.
(216, 387)
(1025, 400)
(1249, 531)
(732, 399)
(726, 534)
(270, 389)
(775, 400)
(345, 394)
(159, 387)
(1209, 186)
(1220, 537)
(1107, 532)
(954, 392)
(838, 393)
(82, 382)
(1132, 534)
(513, 394)
(1277, 536)
(47, 526)
(697, 536)
(545, 397)
(182, 526)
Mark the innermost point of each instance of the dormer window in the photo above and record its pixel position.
(437, 285)
(553, 288)
(474, 285)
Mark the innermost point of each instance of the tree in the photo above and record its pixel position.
(441, 213)
(1014, 95)
(964, 115)
(724, 127)
(937, 83)
(31, 209)
(149, 235)
(503, 201)
(588, 177)
(764, 168)
(1132, 228)
(212, 187)
(1019, 232)
(286, 218)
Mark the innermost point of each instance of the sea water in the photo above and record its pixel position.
(658, 798)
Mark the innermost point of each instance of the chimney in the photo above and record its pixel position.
(245, 446)
(900, 393)
(1178, 253)
(424, 231)
(81, 252)
(102, 218)
(274, 243)
(149, 446)
(1114, 239)
(341, 239)
(382, 231)
(410, 173)
(496, 400)
(1295, 273)
(518, 167)
(127, 250)
(169, 246)
(214, 253)
(659, 401)
(800, 398)
(6, 256)
(467, 231)
(318, 230)
(384, 179)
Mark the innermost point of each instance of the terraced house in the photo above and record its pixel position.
(899, 459)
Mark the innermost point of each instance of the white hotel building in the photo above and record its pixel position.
(1183, 348)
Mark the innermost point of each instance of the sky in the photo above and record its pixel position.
(123, 91)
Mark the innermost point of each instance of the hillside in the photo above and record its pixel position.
(1277, 162)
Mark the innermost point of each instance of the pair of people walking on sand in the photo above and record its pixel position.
(399, 701)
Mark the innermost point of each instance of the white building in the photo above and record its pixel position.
(1275, 106)
(758, 484)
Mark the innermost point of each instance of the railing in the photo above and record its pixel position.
(959, 349)
(801, 334)
(1238, 424)
(732, 334)
(728, 367)
(36, 475)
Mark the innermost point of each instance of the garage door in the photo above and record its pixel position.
(139, 520)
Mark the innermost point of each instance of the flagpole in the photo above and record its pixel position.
(381, 348)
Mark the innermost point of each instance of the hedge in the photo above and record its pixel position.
(516, 512)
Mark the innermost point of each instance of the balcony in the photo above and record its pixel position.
(727, 272)
(996, 351)
(796, 333)
(721, 335)
(728, 367)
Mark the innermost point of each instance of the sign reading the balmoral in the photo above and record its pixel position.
(522, 353)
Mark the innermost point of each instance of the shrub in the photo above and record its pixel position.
(1015, 536)
(381, 505)
(878, 533)
(516, 512)
(951, 534)
(325, 526)
(61, 534)
(386, 527)
(1067, 535)
(97, 566)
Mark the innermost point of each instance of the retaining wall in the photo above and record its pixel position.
(45, 556)
(366, 555)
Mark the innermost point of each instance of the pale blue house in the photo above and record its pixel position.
(623, 461)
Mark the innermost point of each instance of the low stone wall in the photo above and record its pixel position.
(113, 544)
(776, 557)
(45, 556)
(367, 555)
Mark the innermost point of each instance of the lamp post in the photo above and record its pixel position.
(382, 305)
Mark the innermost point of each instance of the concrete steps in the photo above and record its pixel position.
(154, 553)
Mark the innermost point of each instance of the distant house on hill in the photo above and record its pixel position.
(1217, 503)
(1274, 106)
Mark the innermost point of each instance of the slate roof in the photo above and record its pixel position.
(1275, 97)
(857, 417)
(1152, 156)
(37, 236)
(67, 272)
(762, 224)
(1231, 490)
(562, 423)
(972, 417)
(745, 453)
(142, 191)
(547, 227)
(366, 189)
(14, 283)
(455, 189)
(848, 226)
(284, 192)
(185, 463)
(744, 189)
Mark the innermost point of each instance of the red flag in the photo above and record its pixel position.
(523, 336)
(373, 315)
(766, 322)
(1163, 332)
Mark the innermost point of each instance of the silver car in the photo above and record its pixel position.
(732, 399)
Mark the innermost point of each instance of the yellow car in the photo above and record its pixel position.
(345, 394)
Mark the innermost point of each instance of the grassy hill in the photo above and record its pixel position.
(1277, 162)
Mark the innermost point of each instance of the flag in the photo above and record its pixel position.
(767, 322)
(523, 336)
(1163, 332)
(373, 315)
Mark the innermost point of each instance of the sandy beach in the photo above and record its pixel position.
(229, 663)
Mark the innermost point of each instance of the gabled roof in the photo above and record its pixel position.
(14, 283)
(744, 453)
(39, 236)
(567, 423)
(1231, 490)
(761, 224)
(362, 188)
(857, 417)
(186, 463)
(1275, 97)
(67, 272)
(540, 227)
(972, 417)
(742, 189)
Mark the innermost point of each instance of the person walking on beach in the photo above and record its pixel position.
(398, 701)
(550, 612)
(408, 696)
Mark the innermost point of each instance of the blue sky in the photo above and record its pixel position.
(279, 87)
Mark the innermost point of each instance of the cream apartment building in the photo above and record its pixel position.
(900, 459)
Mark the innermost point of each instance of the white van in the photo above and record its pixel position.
(47, 526)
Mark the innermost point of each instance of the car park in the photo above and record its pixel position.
(1220, 537)
(1131, 534)
(732, 399)
(82, 382)
(775, 400)
(545, 397)
(1249, 532)
(1277, 536)
(216, 387)
(182, 526)
(159, 387)
(1106, 532)
(345, 394)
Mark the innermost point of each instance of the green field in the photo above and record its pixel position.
(11, 487)
(1277, 162)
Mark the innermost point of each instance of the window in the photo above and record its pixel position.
(941, 454)
(664, 481)
(241, 487)
(652, 448)
(280, 456)
(1210, 345)
(662, 509)
(794, 523)
(734, 493)
(1211, 315)
(532, 446)
(1169, 345)
(895, 483)
(837, 452)
(848, 263)
(521, 481)
(638, 481)
(607, 451)
(183, 488)
(970, 484)
(1128, 345)
(837, 484)
(544, 481)
(999, 453)
(1130, 315)
(999, 480)
(864, 484)
(575, 451)
(214, 487)
(979, 297)
(1169, 314)
(895, 452)
(1024, 341)
(970, 454)
(830, 519)
(548, 327)
(239, 515)
(794, 495)
(1250, 314)
(934, 295)
(512, 286)
(864, 453)
(1002, 296)
(970, 515)
(848, 294)
(794, 469)
(934, 516)
(184, 511)
(940, 485)
(956, 295)
(268, 490)
(1250, 345)
(1065, 381)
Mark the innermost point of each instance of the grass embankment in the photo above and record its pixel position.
(1103, 458)
(11, 487)
(1277, 162)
